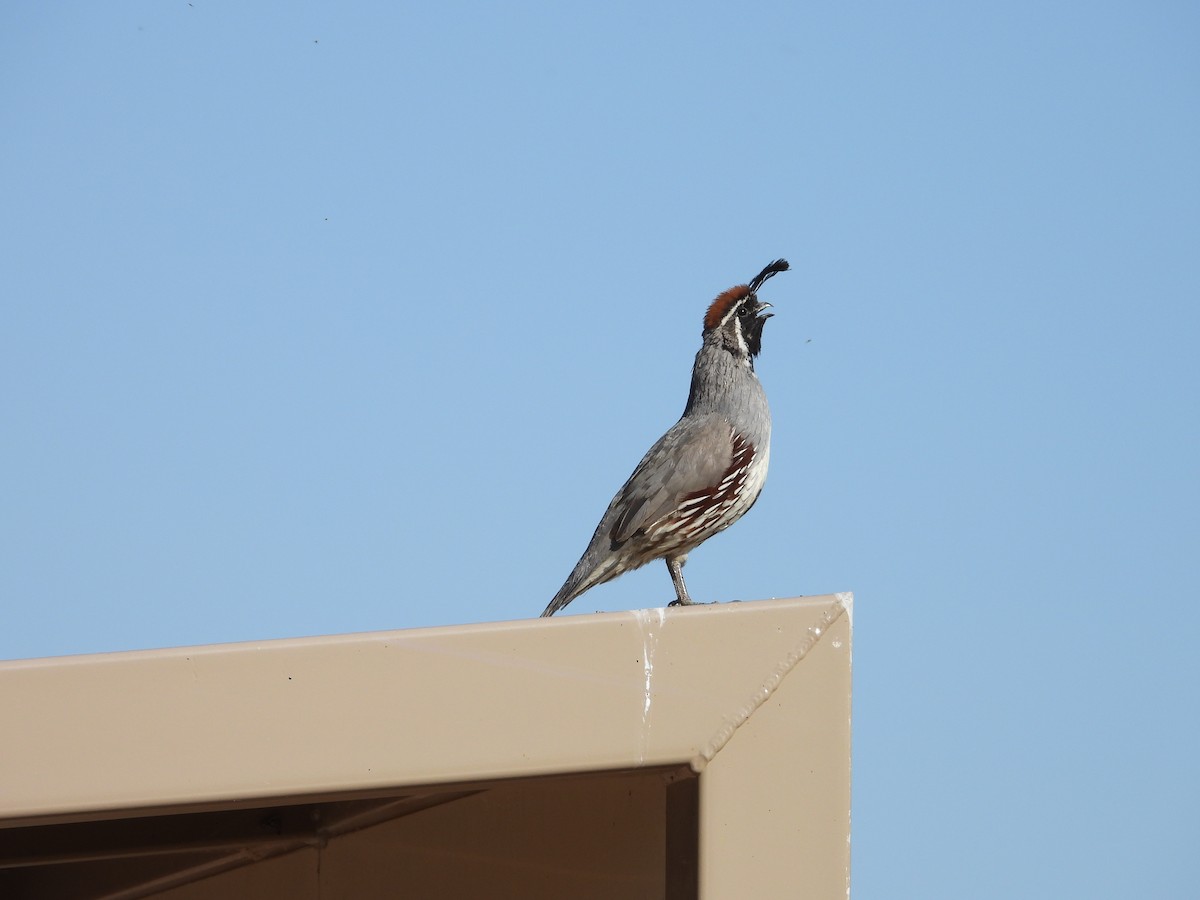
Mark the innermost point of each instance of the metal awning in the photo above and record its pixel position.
(700, 751)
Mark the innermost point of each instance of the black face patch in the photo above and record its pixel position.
(742, 326)
(752, 328)
(747, 318)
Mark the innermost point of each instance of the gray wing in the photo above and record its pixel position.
(692, 457)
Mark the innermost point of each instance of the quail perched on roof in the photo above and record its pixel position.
(703, 474)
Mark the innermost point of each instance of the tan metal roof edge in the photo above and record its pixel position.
(380, 711)
(843, 603)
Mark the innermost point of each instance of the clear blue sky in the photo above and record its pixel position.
(336, 317)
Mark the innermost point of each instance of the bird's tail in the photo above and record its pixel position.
(586, 575)
(564, 596)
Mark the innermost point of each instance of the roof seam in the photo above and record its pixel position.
(812, 636)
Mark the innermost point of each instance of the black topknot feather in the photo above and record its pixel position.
(780, 265)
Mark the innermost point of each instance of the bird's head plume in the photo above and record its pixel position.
(737, 314)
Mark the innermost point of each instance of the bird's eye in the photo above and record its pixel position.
(744, 310)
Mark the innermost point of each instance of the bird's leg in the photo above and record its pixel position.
(675, 567)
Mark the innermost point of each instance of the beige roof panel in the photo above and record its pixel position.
(749, 701)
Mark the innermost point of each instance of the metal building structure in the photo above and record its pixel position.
(699, 752)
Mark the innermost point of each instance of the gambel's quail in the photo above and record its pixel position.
(703, 474)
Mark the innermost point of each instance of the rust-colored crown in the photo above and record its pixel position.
(725, 301)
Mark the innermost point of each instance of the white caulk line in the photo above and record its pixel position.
(651, 622)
